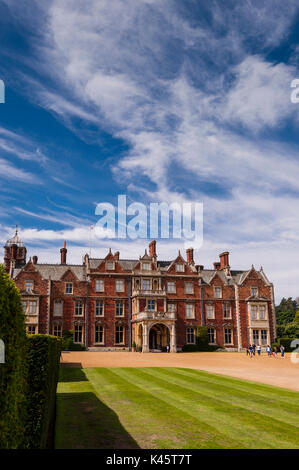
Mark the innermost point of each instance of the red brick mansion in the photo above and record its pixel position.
(111, 302)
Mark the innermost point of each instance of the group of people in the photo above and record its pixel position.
(253, 349)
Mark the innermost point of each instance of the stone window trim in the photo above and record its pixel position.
(216, 290)
(68, 287)
(152, 302)
(101, 301)
(214, 334)
(189, 287)
(146, 266)
(258, 306)
(191, 314)
(208, 314)
(57, 301)
(119, 285)
(117, 331)
(103, 333)
(110, 265)
(171, 287)
(116, 308)
(28, 283)
(190, 332)
(99, 285)
(77, 301)
(252, 290)
(227, 305)
(78, 332)
(180, 267)
(231, 343)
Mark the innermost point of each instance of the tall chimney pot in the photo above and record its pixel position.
(63, 252)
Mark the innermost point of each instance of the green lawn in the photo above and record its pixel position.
(127, 408)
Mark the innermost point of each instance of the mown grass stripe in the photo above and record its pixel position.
(243, 421)
(154, 416)
(247, 399)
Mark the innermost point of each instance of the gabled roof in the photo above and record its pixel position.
(56, 271)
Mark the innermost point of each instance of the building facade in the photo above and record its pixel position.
(110, 302)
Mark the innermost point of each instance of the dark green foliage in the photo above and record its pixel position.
(12, 373)
(43, 366)
(286, 342)
(202, 341)
(286, 311)
(68, 343)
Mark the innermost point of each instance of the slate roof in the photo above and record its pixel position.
(56, 271)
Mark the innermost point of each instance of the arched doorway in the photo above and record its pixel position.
(159, 337)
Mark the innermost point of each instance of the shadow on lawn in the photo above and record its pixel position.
(85, 422)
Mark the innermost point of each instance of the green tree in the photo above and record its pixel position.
(12, 381)
(286, 311)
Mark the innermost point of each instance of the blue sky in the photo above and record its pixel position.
(161, 100)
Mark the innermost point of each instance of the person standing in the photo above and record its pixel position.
(253, 349)
(275, 352)
(282, 349)
(268, 349)
(258, 349)
(250, 350)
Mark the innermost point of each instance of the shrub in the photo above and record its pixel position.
(42, 376)
(202, 341)
(12, 378)
(68, 343)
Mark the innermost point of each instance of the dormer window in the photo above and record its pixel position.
(217, 292)
(29, 286)
(180, 267)
(146, 284)
(110, 265)
(146, 266)
(68, 287)
(254, 291)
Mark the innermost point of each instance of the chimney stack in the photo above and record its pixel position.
(116, 255)
(190, 258)
(224, 259)
(152, 249)
(216, 265)
(63, 252)
(34, 259)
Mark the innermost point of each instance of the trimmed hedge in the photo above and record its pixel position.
(43, 366)
(13, 371)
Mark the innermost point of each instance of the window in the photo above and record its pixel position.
(189, 310)
(212, 335)
(58, 308)
(119, 334)
(99, 308)
(254, 291)
(180, 268)
(217, 292)
(32, 307)
(31, 330)
(57, 330)
(256, 336)
(29, 286)
(171, 307)
(24, 306)
(171, 287)
(264, 337)
(119, 285)
(119, 309)
(110, 265)
(189, 287)
(228, 336)
(146, 284)
(68, 287)
(99, 334)
(99, 285)
(151, 305)
(262, 312)
(146, 266)
(210, 313)
(190, 336)
(226, 310)
(78, 307)
(78, 334)
(253, 309)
